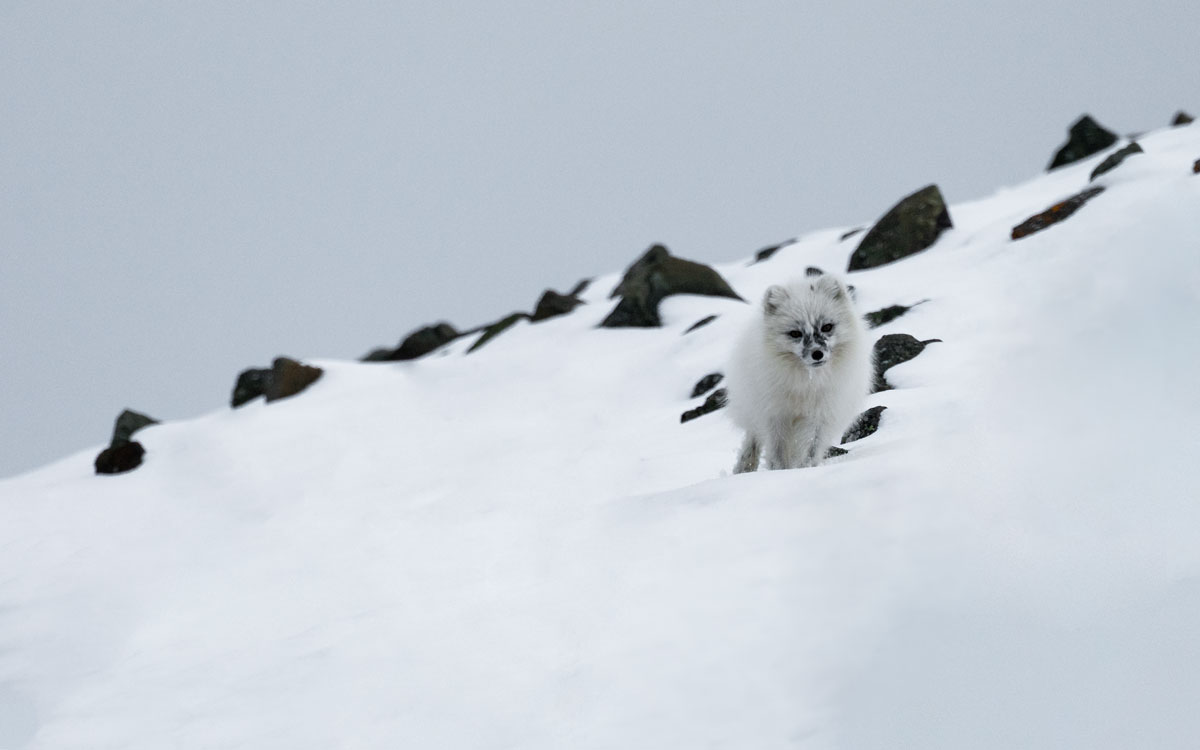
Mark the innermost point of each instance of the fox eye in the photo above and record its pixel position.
(827, 328)
(795, 334)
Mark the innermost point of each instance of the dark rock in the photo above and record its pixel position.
(1196, 167)
(813, 271)
(250, 384)
(1055, 213)
(700, 323)
(1182, 118)
(767, 252)
(117, 459)
(289, 377)
(864, 424)
(887, 314)
(706, 384)
(847, 235)
(128, 423)
(552, 304)
(833, 452)
(909, 227)
(891, 350)
(658, 274)
(495, 329)
(417, 344)
(1113, 160)
(1086, 137)
(715, 400)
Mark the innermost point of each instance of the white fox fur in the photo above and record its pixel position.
(799, 373)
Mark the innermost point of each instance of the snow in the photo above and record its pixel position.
(523, 547)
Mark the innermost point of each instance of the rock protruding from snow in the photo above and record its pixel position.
(891, 350)
(552, 304)
(1182, 118)
(129, 422)
(864, 424)
(417, 344)
(706, 384)
(119, 459)
(716, 400)
(770, 250)
(909, 227)
(289, 377)
(123, 453)
(285, 378)
(887, 314)
(492, 330)
(1086, 137)
(701, 323)
(655, 275)
(1114, 160)
(1055, 213)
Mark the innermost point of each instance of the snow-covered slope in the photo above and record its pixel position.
(524, 547)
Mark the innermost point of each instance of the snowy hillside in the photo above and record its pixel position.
(523, 547)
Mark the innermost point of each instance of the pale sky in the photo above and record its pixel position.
(189, 189)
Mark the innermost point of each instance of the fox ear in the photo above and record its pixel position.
(774, 297)
(832, 287)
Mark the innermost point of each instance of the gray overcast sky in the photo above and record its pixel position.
(188, 189)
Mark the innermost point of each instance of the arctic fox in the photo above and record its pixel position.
(799, 373)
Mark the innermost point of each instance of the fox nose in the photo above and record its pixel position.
(818, 354)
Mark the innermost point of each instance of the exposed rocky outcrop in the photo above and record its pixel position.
(1086, 137)
(123, 453)
(287, 377)
(891, 350)
(1114, 160)
(493, 330)
(909, 227)
(552, 304)
(706, 384)
(864, 424)
(1055, 213)
(887, 314)
(118, 459)
(1182, 118)
(417, 344)
(655, 275)
(770, 250)
(716, 400)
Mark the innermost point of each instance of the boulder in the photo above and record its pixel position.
(552, 304)
(909, 227)
(864, 424)
(1086, 137)
(118, 459)
(715, 400)
(891, 350)
(1113, 160)
(706, 384)
(1182, 118)
(417, 344)
(251, 384)
(289, 377)
(1055, 213)
(286, 377)
(658, 274)
(495, 329)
